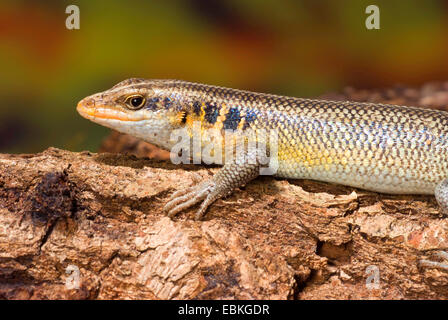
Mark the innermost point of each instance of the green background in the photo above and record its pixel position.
(298, 48)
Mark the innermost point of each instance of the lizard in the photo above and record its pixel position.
(378, 147)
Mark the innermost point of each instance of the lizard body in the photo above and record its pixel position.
(378, 147)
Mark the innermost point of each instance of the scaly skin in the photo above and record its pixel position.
(384, 148)
(378, 147)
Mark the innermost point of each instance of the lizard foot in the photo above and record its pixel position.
(185, 198)
(441, 264)
(229, 177)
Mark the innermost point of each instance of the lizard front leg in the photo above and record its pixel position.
(229, 177)
(441, 194)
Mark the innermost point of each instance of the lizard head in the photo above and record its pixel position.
(147, 109)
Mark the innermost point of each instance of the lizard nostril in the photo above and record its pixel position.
(88, 103)
(86, 106)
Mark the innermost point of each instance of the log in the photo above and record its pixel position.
(91, 226)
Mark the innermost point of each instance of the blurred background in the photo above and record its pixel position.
(290, 47)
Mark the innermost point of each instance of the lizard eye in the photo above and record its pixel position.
(135, 102)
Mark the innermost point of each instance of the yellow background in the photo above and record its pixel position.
(298, 48)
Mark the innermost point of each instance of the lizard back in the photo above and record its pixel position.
(379, 147)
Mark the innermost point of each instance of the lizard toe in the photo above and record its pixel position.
(442, 256)
(181, 192)
(187, 198)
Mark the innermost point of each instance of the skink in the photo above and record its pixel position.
(378, 147)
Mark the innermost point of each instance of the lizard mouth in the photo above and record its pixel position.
(102, 112)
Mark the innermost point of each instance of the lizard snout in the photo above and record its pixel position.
(86, 107)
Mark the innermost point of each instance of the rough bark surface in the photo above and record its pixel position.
(61, 212)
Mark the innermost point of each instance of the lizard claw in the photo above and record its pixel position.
(181, 192)
(185, 198)
(443, 264)
(231, 176)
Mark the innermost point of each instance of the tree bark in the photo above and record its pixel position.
(91, 226)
